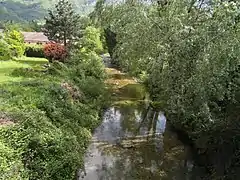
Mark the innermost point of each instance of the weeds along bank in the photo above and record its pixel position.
(46, 122)
(46, 118)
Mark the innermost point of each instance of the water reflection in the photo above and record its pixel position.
(161, 123)
(134, 143)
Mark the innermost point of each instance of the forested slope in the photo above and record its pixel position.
(26, 10)
(16, 11)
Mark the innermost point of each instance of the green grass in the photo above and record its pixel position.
(34, 62)
(52, 112)
(31, 59)
(7, 67)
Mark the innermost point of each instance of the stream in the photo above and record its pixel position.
(134, 142)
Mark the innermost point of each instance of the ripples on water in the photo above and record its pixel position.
(135, 143)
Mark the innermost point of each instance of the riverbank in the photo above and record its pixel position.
(218, 157)
(134, 141)
(210, 156)
(46, 117)
(188, 55)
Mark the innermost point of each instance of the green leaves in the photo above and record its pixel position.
(15, 42)
(189, 53)
(11, 166)
(5, 53)
(11, 45)
(34, 50)
(52, 115)
(62, 24)
(91, 40)
(52, 129)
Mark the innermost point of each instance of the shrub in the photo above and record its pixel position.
(88, 65)
(25, 72)
(55, 51)
(54, 113)
(57, 68)
(91, 40)
(5, 53)
(34, 51)
(16, 42)
(52, 129)
(8, 169)
(89, 86)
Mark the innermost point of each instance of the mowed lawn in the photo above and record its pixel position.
(7, 67)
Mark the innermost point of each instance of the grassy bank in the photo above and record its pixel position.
(7, 67)
(47, 115)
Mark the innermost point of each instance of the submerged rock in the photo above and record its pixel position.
(81, 174)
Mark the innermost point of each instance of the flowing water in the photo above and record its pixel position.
(134, 142)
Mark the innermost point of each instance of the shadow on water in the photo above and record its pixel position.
(131, 91)
(135, 143)
(119, 76)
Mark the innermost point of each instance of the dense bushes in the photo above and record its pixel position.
(53, 125)
(11, 45)
(34, 50)
(52, 117)
(15, 41)
(51, 133)
(189, 55)
(55, 51)
(11, 166)
(91, 40)
(5, 53)
(91, 65)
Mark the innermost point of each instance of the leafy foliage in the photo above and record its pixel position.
(15, 41)
(11, 166)
(91, 40)
(111, 41)
(5, 53)
(34, 50)
(55, 51)
(62, 24)
(91, 65)
(48, 135)
(20, 12)
(188, 53)
(25, 10)
(52, 114)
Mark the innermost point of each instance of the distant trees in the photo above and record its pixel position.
(62, 24)
(35, 26)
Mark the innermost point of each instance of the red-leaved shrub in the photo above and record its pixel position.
(55, 51)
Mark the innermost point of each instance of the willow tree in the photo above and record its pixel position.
(189, 51)
(62, 24)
